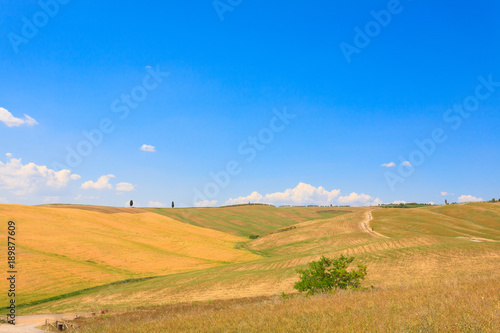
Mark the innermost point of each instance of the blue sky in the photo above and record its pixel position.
(263, 105)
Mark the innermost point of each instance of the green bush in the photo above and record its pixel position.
(253, 236)
(328, 275)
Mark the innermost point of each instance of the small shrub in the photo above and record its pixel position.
(253, 236)
(328, 275)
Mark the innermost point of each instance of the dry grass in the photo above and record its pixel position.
(394, 261)
(99, 209)
(475, 220)
(246, 220)
(60, 249)
(471, 305)
(432, 273)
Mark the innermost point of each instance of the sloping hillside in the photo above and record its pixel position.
(61, 249)
(474, 220)
(419, 247)
(246, 220)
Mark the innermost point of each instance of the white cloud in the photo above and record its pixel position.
(101, 184)
(255, 197)
(355, 198)
(444, 194)
(397, 202)
(406, 163)
(156, 204)
(389, 165)
(30, 178)
(469, 198)
(80, 197)
(8, 119)
(305, 194)
(206, 203)
(9, 155)
(3, 200)
(302, 194)
(148, 148)
(124, 187)
(431, 203)
(75, 176)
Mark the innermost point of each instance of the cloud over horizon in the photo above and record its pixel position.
(469, 198)
(8, 119)
(397, 202)
(22, 179)
(305, 194)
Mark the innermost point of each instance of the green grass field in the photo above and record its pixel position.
(425, 250)
(246, 220)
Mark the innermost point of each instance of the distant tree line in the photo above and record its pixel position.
(405, 205)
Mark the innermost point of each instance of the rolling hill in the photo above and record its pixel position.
(247, 220)
(63, 249)
(417, 246)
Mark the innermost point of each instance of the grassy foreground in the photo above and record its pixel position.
(471, 305)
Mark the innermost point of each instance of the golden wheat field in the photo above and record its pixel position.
(61, 249)
(433, 268)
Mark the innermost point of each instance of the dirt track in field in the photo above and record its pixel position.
(365, 225)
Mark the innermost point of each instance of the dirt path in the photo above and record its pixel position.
(29, 324)
(365, 225)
